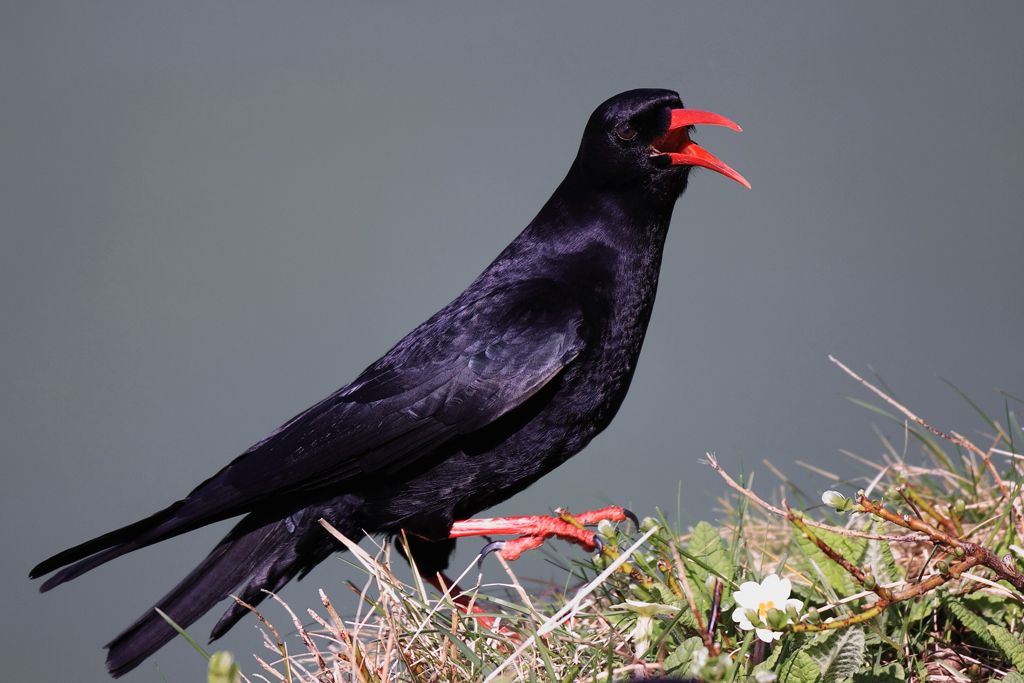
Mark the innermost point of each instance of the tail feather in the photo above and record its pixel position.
(245, 556)
(117, 537)
(174, 520)
(272, 576)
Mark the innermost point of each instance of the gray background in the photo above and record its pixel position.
(216, 213)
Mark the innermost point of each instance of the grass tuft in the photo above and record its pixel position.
(910, 573)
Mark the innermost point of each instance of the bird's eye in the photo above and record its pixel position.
(625, 131)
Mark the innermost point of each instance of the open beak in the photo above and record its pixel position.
(676, 148)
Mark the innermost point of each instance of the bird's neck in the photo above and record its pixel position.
(629, 222)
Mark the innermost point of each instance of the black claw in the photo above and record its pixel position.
(598, 544)
(493, 546)
(632, 517)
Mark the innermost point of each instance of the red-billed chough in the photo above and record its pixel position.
(496, 389)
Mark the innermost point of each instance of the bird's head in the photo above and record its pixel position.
(641, 138)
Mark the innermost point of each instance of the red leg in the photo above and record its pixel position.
(535, 529)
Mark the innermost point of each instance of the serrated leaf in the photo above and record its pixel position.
(681, 659)
(706, 544)
(817, 563)
(1009, 644)
(797, 668)
(971, 621)
(839, 656)
(879, 558)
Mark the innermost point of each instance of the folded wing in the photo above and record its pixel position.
(468, 365)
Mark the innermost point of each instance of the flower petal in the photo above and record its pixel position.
(766, 635)
(740, 617)
(748, 595)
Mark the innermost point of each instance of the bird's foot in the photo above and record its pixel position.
(533, 530)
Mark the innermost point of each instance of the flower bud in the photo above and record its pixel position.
(792, 613)
(959, 552)
(608, 530)
(753, 617)
(813, 615)
(959, 507)
(777, 619)
(648, 523)
(943, 568)
(836, 501)
(869, 582)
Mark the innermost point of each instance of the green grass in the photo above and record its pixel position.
(915, 576)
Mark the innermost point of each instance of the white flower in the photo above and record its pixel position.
(644, 629)
(758, 598)
(836, 501)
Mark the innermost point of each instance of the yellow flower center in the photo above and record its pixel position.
(763, 607)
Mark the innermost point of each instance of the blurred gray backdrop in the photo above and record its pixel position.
(214, 214)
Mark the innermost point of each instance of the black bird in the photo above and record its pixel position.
(496, 389)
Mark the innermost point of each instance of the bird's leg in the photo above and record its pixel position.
(533, 530)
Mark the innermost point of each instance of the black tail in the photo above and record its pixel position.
(95, 552)
(251, 558)
(176, 519)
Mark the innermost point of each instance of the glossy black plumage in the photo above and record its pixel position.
(505, 383)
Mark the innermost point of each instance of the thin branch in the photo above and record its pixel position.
(712, 461)
(952, 437)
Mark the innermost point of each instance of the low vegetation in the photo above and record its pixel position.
(911, 573)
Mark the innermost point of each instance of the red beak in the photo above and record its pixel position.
(676, 145)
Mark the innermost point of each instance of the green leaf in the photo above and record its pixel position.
(882, 674)
(682, 659)
(708, 548)
(222, 668)
(922, 609)
(971, 621)
(706, 545)
(839, 656)
(818, 563)
(797, 668)
(1013, 677)
(1009, 644)
(879, 558)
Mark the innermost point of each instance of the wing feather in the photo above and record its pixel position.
(459, 371)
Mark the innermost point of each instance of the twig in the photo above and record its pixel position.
(952, 437)
(310, 645)
(282, 648)
(706, 635)
(882, 604)
(972, 550)
(854, 571)
(712, 461)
